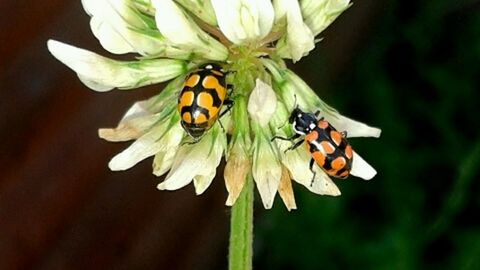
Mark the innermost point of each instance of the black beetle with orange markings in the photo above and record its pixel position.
(329, 148)
(201, 99)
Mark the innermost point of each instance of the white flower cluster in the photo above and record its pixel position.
(247, 37)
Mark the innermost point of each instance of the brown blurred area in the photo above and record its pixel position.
(60, 206)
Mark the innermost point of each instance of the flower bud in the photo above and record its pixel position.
(262, 103)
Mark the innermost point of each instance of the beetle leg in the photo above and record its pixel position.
(312, 161)
(317, 113)
(221, 125)
(296, 136)
(229, 104)
(344, 134)
(295, 146)
(190, 142)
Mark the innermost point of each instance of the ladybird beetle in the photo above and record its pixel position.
(201, 99)
(328, 147)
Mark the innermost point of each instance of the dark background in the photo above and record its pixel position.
(411, 68)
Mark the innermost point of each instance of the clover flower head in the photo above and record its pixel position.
(249, 40)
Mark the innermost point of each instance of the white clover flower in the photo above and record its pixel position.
(181, 41)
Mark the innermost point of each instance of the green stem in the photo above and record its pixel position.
(241, 229)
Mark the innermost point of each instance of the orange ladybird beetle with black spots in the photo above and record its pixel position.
(201, 99)
(329, 148)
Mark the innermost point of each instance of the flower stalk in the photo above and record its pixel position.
(241, 229)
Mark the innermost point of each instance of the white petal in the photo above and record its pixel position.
(299, 39)
(133, 124)
(279, 119)
(266, 16)
(361, 168)
(266, 169)
(199, 160)
(267, 181)
(103, 74)
(109, 38)
(138, 109)
(163, 161)
(204, 178)
(148, 145)
(180, 30)
(128, 130)
(172, 23)
(353, 128)
(202, 182)
(262, 103)
(323, 184)
(244, 21)
(201, 9)
(144, 114)
(267, 186)
(319, 14)
(181, 175)
(99, 87)
(280, 10)
(121, 29)
(228, 20)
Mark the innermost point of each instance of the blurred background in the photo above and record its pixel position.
(411, 68)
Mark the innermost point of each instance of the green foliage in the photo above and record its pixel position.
(418, 78)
